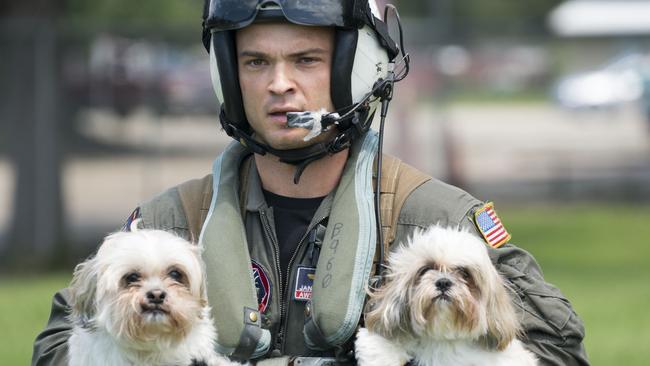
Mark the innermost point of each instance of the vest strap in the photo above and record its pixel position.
(231, 285)
(248, 341)
(195, 198)
(345, 261)
(324, 329)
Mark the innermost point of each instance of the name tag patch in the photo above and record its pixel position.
(304, 283)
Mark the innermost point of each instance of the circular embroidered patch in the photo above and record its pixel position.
(262, 286)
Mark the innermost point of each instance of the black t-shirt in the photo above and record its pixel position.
(292, 217)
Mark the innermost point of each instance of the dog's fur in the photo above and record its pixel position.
(443, 303)
(141, 301)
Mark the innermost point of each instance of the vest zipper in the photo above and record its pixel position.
(279, 340)
(285, 295)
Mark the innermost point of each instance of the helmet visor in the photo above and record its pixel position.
(235, 14)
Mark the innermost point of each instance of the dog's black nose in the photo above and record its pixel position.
(443, 284)
(156, 296)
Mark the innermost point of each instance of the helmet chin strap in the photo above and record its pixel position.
(303, 156)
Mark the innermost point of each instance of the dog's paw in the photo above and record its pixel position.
(371, 349)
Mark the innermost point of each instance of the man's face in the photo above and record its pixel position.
(284, 68)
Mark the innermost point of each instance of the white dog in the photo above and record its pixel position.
(141, 301)
(443, 303)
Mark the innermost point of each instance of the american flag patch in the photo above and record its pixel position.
(490, 226)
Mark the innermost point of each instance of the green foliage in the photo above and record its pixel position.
(141, 13)
(478, 18)
(499, 17)
(597, 255)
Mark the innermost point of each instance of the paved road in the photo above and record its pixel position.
(524, 151)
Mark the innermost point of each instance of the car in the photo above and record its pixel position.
(616, 83)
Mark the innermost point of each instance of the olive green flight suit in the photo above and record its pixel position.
(553, 331)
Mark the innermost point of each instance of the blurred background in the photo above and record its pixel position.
(542, 106)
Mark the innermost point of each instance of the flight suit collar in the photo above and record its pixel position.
(255, 197)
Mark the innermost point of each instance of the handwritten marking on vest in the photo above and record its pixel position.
(334, 244)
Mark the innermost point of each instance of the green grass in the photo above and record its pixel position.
(599, 256)
(24, 309)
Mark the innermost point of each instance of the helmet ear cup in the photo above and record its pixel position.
(225, 77)
(359, 62)
(345, 40)
(370, 64)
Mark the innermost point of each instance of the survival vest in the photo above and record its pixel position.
(231, 286)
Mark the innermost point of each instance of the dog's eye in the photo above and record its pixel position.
(424, 270)
(464, 273)
(131, 278)
(176, 275)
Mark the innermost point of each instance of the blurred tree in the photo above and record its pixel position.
(36, 110)
(175, 13)
(502, 17)
(32, 101)
(471, 19)
(168, 19)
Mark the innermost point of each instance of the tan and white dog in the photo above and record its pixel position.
(443, 303)
(141, 301)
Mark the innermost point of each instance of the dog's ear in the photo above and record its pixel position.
(200, 269)
(388, 311)
(83, 288)
(503, 326)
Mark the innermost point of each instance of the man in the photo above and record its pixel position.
(295, 217)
